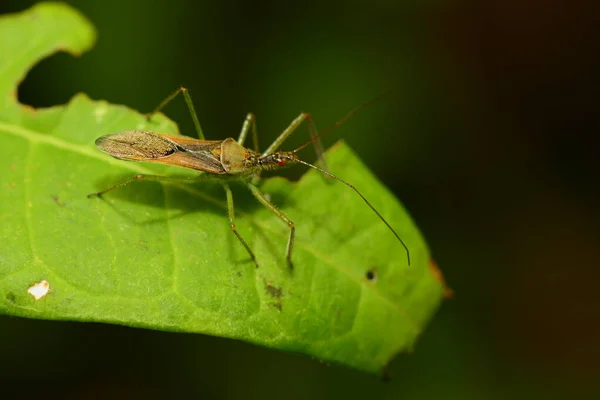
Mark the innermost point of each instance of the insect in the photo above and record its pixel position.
(223, 160)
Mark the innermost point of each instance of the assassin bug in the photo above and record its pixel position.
(223, 159)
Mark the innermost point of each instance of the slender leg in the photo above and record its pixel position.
(155, 178)
(249, 124)
(190, 104)
(312, 128)
(177, 179)
(230, 211)
(290, 244)
(291, 128)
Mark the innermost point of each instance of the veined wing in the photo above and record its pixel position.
(137, 145)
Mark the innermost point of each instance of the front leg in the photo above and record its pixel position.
(291, 129)
(249, 125)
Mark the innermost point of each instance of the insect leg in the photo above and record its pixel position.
(249, 124)
(230, 211)
(291, 128)
(290, 244)
(190, 104)
(156, 178)
(312, 128)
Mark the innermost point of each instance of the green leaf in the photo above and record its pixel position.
(164, 257)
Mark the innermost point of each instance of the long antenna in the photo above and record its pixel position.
(362, 197)
(344, 119)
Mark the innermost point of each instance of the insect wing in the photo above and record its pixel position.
(201, 155)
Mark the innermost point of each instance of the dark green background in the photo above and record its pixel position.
(486, 138)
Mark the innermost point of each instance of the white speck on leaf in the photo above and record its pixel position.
(39, 290)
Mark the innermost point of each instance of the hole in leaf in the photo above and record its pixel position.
(371, 275)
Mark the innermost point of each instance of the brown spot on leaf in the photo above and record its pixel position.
(28, 109)
(273, 291)
(11, 298)
(57, 201)
(437, 274)
(142, 244)
(276, 293)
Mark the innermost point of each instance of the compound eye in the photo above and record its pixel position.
(281, 162)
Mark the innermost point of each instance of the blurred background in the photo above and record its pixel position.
(487, 138)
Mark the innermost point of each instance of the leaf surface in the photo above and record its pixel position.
(163, 256)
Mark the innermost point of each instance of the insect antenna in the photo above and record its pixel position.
(346, 117)
(329, 174)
